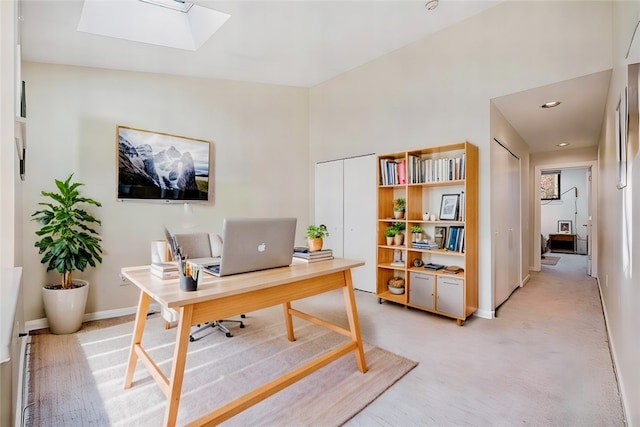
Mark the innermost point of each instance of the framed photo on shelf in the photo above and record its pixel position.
(449, 207)
(440, 234)
(564, 227)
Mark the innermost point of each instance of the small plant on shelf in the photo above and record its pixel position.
(399, 206)
(396, 285)
(390, 233)
(398, 238)
(416, 233)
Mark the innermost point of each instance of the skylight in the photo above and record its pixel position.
(169, 23)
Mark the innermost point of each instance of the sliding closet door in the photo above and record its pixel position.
(360, 219)
(505, 214)
(345, 199)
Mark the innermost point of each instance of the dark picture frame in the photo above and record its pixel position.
(621, 125)
(449, 207)
(162, 167)
(565, 227)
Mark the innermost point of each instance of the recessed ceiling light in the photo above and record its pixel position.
(550, 104)
(431, 4)
(562, 144)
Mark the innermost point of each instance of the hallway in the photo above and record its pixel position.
(543, 361)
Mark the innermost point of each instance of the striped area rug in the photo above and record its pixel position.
(77, 380)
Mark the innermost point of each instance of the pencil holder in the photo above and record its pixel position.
(188, 283)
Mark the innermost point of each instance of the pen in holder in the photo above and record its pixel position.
(188, 276)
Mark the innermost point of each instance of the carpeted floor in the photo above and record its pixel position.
(549, 260)
(77, 379)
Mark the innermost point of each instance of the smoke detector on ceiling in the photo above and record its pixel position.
(432, 4)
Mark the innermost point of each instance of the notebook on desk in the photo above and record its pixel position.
(252, 244)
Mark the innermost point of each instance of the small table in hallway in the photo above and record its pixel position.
(563, 243)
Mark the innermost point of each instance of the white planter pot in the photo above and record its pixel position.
(65, 307)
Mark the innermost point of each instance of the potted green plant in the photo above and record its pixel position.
(315, 234)
(399, 206)
(67, 243)
(389, 233)
(398, 239)
(416, 233)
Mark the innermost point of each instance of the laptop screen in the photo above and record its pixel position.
(251, 244)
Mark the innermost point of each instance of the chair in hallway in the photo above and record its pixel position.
(204, 245)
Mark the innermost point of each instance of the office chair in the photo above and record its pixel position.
(199, 245)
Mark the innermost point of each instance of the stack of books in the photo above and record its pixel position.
(165, 270)
(428, 245)
(304, 254)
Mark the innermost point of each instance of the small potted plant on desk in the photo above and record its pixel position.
(315, 234)
(68, 243)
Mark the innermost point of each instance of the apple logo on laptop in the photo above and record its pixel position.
(262, 247)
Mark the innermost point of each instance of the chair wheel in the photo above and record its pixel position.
(228, 334)
(243, 316)
(241, 325)
(191, 339)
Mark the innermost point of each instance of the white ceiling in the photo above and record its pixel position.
(304, 43)
(576, 121)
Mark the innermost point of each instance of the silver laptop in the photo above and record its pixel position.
(252, 244)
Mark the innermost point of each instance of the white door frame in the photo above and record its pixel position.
(592, 228)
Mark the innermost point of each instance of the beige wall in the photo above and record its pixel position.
(259, 135)
(438, 90)
(619, 231)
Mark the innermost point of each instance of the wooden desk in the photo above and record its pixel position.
(563, 242)
(217, 298)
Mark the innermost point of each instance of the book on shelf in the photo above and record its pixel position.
(429, 245)
(393, 171)
(421, 170)
(455, 242)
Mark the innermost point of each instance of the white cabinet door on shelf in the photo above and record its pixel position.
(450, 293)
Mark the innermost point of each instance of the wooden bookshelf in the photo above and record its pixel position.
(422, 177)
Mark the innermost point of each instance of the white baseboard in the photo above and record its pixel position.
(43, 323)
(20, 386)
(485, 314)
(614, 358)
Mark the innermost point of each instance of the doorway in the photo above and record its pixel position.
(569, 222)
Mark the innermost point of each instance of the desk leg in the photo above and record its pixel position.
(288, 321)
(141, 319)
(179, 360)
(354, 323)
